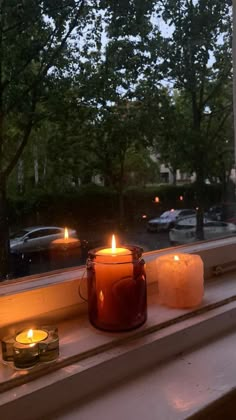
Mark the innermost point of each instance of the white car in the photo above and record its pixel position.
(37, 238)
(185, 230)
(168, 219)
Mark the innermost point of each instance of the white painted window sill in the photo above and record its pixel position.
(90, 359)
(198, 384)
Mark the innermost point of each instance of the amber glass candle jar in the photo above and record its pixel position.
(117, 297)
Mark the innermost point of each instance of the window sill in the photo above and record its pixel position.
(87, 355)
(54, 295)
(196, 385)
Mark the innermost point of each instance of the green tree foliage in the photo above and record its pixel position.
(96, 85)
(197, 60)
(34, 39)
(108, 82)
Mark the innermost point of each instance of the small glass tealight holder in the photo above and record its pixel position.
(49, 348)
(25, 356)
(7, 348)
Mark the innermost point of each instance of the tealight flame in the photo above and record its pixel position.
(113, 244)
(176, 258)
(30, 334)
(66, 234)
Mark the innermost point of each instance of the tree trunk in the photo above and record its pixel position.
(174, 176)
(234, 76)
(45, 168)
(121, 193)
(4, 233)
(200, 206)
(36, 166)
(20, 176)
(121, 208)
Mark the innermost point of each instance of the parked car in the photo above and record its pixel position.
(168, 219)
(38, 238)
(224, 212)
(185, 230)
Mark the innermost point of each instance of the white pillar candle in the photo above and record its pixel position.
(180, 280)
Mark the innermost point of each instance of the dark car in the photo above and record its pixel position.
(222, 212)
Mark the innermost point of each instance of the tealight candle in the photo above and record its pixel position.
(26, 347)
(116, 288)
(49, 348)
(180, 280)
(31, 336)
(25, 355)
(7, 348)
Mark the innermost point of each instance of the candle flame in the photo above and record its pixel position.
(176, 258)
(30, 334)
(113, 244)
(101, 296)
(66, 234)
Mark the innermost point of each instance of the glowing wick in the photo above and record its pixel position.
(30, 334)
(113, 244)
(66, 234)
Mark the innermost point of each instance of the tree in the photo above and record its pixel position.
(140, 169)
(197, 59)
(108, 82)
(234, 76)
(34, 42)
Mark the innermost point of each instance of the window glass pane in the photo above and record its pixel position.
(120, 121)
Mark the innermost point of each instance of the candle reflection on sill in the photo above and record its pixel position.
(181, 397)
(183, 405)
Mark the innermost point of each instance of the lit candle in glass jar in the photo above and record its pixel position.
(180, 280)
(26, 349)
(31, 336)
(29, 347)
(116, 287)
